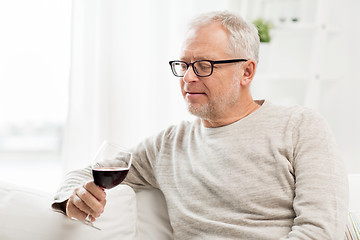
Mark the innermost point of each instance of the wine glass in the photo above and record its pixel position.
(111, 165)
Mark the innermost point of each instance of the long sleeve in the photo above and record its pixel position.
(71, 181)
(142, 173)
(321, 194)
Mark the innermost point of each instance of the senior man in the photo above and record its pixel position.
(243, 169)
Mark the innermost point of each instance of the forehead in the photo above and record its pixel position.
(207, 42)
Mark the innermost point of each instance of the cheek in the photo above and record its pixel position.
(216, 84)
(181, 82)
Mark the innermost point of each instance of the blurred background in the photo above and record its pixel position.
(76, 72)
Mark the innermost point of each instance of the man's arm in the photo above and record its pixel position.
(321, 188)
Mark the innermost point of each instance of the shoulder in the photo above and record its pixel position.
(293, 114)
(304, 117)
(294, 121)
(306, 123)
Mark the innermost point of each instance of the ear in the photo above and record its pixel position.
(249, 68)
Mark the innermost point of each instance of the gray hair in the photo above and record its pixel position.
(244, 38)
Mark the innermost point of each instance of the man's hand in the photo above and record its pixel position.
(88, 199)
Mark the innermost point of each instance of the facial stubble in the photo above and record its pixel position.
(217, 107)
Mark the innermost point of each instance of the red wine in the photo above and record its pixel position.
(109, 177)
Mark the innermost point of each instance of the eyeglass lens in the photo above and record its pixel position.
(201, 68)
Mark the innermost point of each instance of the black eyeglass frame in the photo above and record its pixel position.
(210, 61)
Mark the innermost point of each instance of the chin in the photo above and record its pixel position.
(204, 111)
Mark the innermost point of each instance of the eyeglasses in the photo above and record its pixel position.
(202, 68)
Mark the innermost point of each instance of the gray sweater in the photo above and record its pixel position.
(275, 174)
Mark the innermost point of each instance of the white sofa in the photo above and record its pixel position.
(27, 214)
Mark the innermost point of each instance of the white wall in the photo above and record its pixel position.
(341, 99)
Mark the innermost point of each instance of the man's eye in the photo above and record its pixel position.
(180, 66)
(203, 66)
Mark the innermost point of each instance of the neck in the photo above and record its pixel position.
(243, 111)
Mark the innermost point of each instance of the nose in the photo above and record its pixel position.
(190, 75)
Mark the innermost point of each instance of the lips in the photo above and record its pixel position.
(194, 97)
(193, 91)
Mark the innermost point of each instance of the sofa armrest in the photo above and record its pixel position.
(27, 214)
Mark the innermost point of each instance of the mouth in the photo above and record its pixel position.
(193, 97)
(194, 93)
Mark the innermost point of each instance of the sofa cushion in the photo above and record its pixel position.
(152, 214)
(27, 214)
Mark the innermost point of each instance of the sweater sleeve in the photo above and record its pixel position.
(321, 188)
(71, 181)
(141, 174)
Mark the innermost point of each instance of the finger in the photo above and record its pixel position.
(82, 206)
(88, 203)
(95, 190)
(103, 202)
(72, 211)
